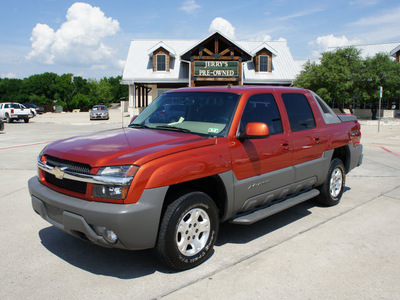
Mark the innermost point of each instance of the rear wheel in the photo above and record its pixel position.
(332, 189)
(26, 120)
(9, 120)
(188, 231)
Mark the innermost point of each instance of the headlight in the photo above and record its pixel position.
(115, 187)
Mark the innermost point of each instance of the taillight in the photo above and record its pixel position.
(12, 110)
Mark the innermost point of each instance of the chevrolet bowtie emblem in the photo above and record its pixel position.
(59, 172)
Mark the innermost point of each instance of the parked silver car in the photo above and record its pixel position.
(99, 112)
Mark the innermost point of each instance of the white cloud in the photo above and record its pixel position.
(222, 26)
(8, 75)
(300, 14)
(79, 40)
(190, 6)
(322, 43)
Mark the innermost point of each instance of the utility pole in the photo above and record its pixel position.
(379, 110)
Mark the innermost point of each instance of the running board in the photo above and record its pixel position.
(250, 218)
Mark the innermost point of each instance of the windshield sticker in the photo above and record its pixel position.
(213, 130)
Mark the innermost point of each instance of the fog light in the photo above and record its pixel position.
(110, 236)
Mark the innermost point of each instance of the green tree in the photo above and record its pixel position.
(118, 90)
(380, 71)
(337, 78)
(10, 90)
(41, 86)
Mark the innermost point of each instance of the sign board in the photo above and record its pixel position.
(216, 68)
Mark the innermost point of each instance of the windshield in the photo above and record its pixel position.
(204, 113)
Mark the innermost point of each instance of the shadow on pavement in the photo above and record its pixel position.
(117, 263)
(240, 234)
(126, 264)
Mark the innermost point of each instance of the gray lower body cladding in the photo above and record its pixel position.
(136, 225)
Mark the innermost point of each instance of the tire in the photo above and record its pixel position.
(9, 120)
(188, 231)
(26, 120)
(332, 189)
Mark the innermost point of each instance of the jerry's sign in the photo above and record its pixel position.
(216, 68)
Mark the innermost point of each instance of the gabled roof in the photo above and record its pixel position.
(264, 46)
(159, 45)
(209, 37)
(395, 50)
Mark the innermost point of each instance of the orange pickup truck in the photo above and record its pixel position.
(194, 158)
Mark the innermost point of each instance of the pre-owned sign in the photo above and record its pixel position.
(216, 68)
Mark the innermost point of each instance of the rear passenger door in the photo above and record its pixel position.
(307, 140)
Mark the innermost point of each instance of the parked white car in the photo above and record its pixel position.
(15, 111)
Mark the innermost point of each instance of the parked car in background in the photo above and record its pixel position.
(14, 112)
(35, 109)
(99, 112)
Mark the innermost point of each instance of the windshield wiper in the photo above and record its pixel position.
(138, 126)
(167, 127)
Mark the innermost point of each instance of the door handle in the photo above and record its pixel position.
(285, 147)
(317, 140)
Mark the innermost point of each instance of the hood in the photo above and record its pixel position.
(125, 146)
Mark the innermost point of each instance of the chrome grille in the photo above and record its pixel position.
(71, 165)
(67, 184)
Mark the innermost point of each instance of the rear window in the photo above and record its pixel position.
(299, 112)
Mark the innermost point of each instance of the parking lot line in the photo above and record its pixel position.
(25, 145)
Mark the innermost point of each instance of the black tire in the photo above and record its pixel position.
(332, 189)
(26, 120)
(190, 220)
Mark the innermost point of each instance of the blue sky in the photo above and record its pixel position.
(91, 38)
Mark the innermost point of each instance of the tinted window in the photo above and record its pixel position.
(161, 62)
(299, 112)
(263, 63)
(262, 108)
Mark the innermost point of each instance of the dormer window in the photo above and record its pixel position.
(162, 57)
(263, 63)
(161, 62)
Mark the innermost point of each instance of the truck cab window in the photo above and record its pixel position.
(299, 112)
(262, 108)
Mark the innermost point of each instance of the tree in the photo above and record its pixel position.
(343, 76)
(381, 71)
(337, 78)
(66, 90)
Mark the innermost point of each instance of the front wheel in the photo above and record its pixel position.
(332, 189)
(188, 231)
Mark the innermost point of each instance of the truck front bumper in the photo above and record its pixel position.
(135, 225)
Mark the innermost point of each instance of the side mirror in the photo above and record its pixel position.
(256, 131)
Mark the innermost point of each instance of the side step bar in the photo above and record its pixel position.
(250, 218)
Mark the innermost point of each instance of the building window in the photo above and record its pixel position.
(161, 62)
(263, 63)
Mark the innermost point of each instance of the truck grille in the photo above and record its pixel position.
(71, 165)
(67, 184)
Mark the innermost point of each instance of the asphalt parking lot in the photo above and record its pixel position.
(350, 251)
